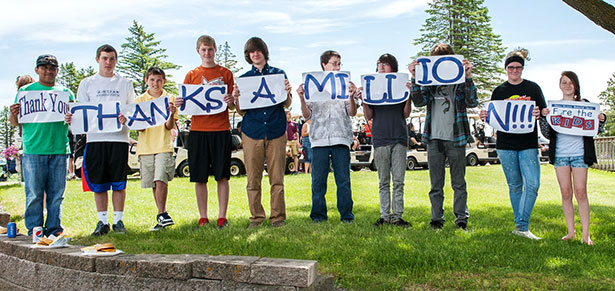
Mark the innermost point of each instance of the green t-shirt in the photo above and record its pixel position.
(49, 138)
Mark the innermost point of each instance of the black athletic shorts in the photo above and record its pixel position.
(105, 166)
(209, 154)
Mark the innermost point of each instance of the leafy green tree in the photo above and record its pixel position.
(466, 26)
(608, 100)
(141, 52)
(70, 76)
(226, 58)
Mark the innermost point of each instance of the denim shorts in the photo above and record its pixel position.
(573, 162)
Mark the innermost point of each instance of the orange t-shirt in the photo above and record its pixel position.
(217, 75)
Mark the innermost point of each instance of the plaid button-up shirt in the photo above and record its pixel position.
(465, 97)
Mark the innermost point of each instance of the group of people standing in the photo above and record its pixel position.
(327, 133)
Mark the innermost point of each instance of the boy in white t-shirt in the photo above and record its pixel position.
(155, 149)
(105, 159)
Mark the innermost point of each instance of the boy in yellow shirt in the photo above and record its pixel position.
(155, 149)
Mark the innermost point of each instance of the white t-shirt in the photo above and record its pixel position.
(97, 88)
(569, 146)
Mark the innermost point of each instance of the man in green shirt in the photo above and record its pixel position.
(45, 150)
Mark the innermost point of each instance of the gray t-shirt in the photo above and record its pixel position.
(443, 113)
(389, 126)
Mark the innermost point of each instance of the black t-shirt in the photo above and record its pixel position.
(389, 125)
(513, 141)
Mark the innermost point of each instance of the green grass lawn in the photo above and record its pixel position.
(364, 257)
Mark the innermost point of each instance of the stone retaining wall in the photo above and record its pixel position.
(26, 268)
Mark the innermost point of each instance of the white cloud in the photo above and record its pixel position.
(555, 43)
(397, 8)
(336, 43)
(593, 76)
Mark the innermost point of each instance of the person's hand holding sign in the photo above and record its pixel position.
(467, 66)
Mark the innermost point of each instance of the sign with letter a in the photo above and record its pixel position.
(511, 116)
(147, 114)
(261, 91)
(574, 117)
(440, 70)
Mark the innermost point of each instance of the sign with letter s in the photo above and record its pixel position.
(202, 99)
(574, 117)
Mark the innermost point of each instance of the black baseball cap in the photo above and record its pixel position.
(47, 60)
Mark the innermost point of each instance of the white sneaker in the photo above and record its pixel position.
(526, 234)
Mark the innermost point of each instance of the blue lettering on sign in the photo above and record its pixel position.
(139, 112)
(423, 63)
(164, 112)
(206, 107)
(218, 103)
(257, 94)
(387, 97)
(329, 79)
(191, 98)
(102, 116)
(320, 86)
(434, 69)
(85, 109)
(510, 120)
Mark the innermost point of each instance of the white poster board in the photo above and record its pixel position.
(261, 91)
(95, 117)
(146, 114)
(384, 89)
(439, 70)
(42, 106)
(326, 86)
(511, 116)
(574, 117)
(202, 99)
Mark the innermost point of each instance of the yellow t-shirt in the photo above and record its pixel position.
(158, 139)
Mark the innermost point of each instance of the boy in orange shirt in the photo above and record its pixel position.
(209, 140)
(155, 149)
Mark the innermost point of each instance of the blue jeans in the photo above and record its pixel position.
(522, 171)
(44, 174)
(339, 157)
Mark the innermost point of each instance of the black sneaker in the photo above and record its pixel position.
(436, 225)
(157, 227)
(119, 227)
(463, 225)
(402, 223)
(101, 229)
(381, 221)
(164, 219)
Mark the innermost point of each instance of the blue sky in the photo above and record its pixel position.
(297, 32)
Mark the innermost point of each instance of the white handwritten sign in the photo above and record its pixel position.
(326, 86)
(440, 70)
(95, 117)
(146, 114)
(384, 89)
(511, 116)
(574, 117)
(261, 91)
(202, 99)
(42, 106)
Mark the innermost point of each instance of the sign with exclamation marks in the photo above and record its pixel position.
(511, 116)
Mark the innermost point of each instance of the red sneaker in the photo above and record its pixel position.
(222, 223)
(203, 221)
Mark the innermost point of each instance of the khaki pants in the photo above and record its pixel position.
(254, 152)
